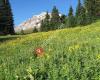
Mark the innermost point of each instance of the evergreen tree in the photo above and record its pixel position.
(35, 30)
(80, 14)
(42, 25)
(71, 19)
(90, 6)
(2, 16)
(78, 9)
(98, 8)
(45, 24)
(63, 19)
(6, 21)
(82, 17)
(10, 20)
(22, 32)
(55, 18)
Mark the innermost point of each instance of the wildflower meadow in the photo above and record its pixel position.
(67, 54)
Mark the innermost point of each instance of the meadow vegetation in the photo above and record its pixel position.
(69, 54)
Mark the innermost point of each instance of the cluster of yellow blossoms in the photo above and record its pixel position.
(74, 47)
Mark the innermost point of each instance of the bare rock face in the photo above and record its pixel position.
(32, 23)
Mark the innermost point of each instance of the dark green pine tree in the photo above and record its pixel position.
(82, 17)
(55, 18)
(98, 8)
(80, 14)
(78, 9)
(90, 6)
(63, 19)
(42, 25)
(6, 22)
(71, 19)
(2, 17)
(10, 21)
(45, 24)
(35, 30)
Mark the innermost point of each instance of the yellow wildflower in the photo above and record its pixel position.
(98, 38)
(29, 70)
(77, 46)
(50, 49)
(18, 38)
(17, 76)
(98, 56)
(70, 49)
(47, 56)
(74, 47)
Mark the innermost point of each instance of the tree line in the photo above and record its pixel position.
(87, 11)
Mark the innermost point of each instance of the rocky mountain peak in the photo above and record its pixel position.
(31, 23)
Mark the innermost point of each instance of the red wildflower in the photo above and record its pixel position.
(39, 52)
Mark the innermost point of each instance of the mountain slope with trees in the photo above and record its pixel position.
(87, 11)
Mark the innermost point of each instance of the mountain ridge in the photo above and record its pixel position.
(31, 23)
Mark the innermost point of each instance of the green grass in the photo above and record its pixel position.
(69, 54)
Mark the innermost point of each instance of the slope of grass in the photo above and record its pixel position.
(69, 54)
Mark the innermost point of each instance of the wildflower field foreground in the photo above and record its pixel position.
(67, 54)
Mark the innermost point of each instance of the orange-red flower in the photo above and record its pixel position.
(39, 52)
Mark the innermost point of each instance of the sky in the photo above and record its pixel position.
(25, 9)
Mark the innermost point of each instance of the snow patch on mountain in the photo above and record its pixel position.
(31, 23)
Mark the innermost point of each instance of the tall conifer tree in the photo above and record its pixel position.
(63, 19)
(82, 17)
(45, 24)
(10, 21)
(90, 6)
(6, 21)
(80, 14)
(55, 18)
(78, 9)
(71, 19)
(98, 8)
(2, 16)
